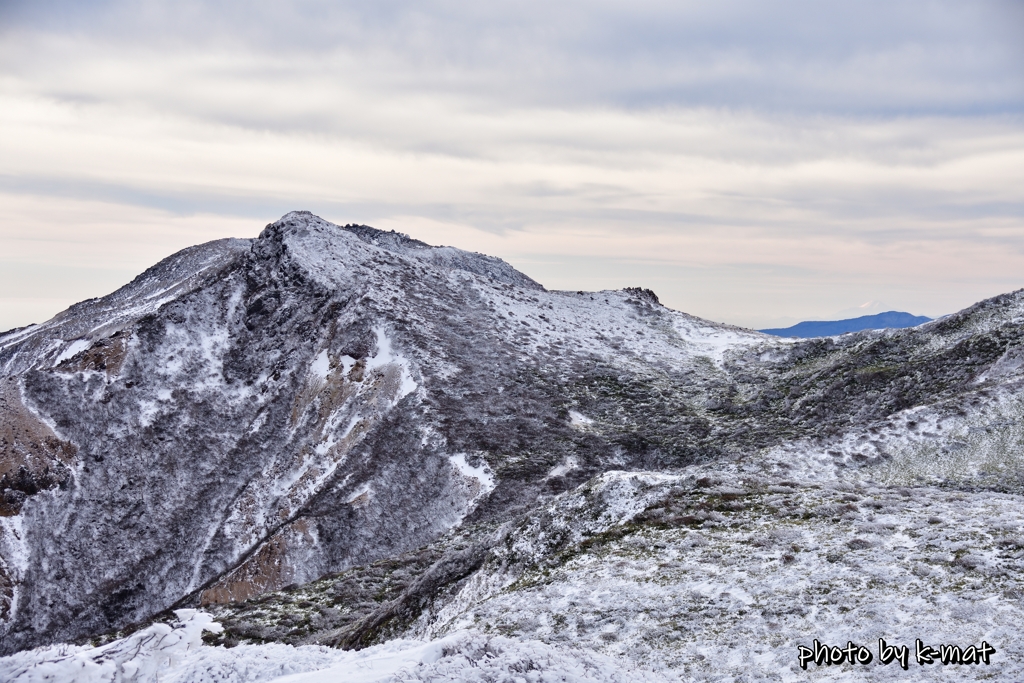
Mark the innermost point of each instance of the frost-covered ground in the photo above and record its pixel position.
(697, 575)
(721, 578)
(339, 435)
(175, 654)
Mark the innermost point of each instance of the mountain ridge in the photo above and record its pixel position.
(243, 364)
(829, 328)
(252, 414)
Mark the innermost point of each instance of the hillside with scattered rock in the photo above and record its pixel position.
(334, 435)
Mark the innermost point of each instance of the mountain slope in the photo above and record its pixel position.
(252, 414)
(246, 416)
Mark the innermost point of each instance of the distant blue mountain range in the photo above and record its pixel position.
(828, 328)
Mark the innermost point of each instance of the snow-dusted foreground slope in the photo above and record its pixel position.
(724, 572)
(175, 654)
(729, 576)
(707, 576)
(362, 411)
(653, 577)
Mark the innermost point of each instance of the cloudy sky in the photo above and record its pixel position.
(753, 162)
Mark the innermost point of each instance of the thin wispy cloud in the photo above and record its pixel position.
(750, 161)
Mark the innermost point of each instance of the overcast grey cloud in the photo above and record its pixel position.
(753, 162)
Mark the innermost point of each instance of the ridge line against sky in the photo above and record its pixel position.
(754, 163)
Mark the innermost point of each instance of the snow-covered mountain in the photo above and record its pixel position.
(249, 415)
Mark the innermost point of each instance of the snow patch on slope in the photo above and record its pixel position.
(579, 420)
(73, 349)
(142, 657)
(713, 340)
(387, 356)
(480, 475)
(321, 367)
(176, 654)
(568, 465)
(723, 577)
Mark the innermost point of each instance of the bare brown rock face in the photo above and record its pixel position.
(32, 457)
(252, 414)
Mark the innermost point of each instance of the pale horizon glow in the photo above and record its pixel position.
(753, 165)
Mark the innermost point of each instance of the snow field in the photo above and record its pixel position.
(175, 654)
(653, 577)
(725, 582)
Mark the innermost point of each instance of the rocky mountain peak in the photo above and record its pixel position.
(302, 227)
(251, 414)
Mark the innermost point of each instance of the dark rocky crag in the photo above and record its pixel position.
(252, 414)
